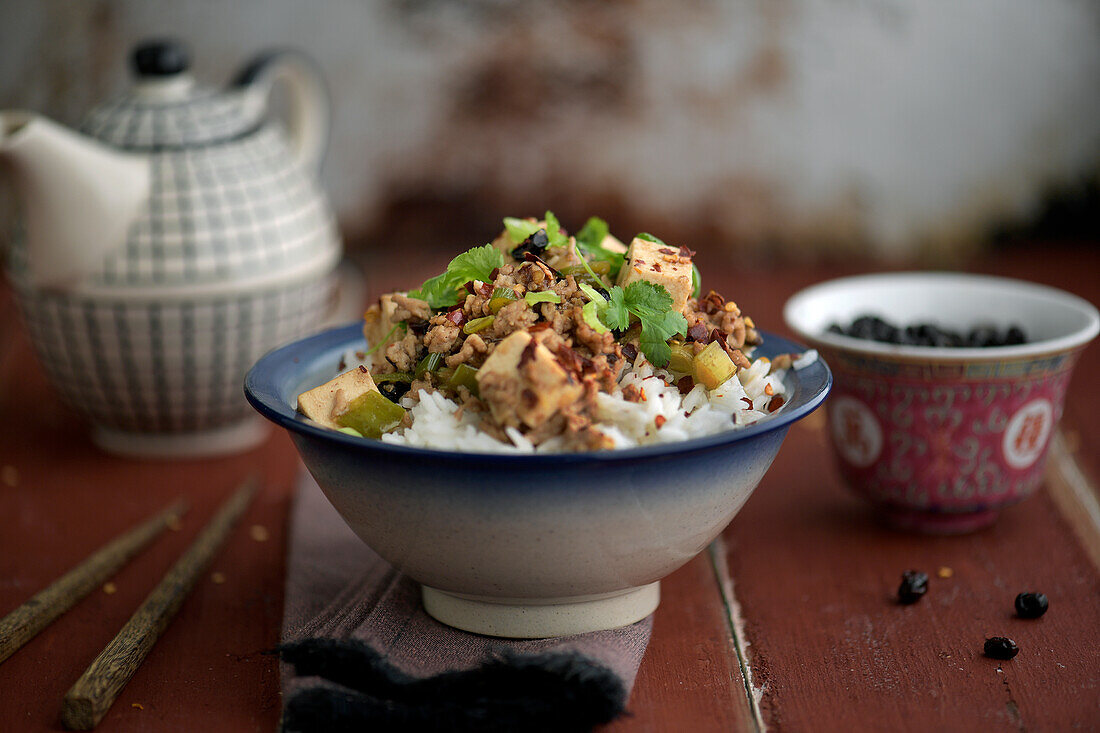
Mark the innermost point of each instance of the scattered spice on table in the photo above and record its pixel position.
(914, 584)
(1031, 605)
(945, 572)
(109, 588)
(258, 532)
(218, 578)
(1001, 647)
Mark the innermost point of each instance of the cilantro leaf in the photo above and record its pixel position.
(439, 291)
(646, 298)
(617, 316)
(656, 349)
(519, 229)
(475, 264)
(553, 231)
(652, 305)
(590, 242)
(592, 234)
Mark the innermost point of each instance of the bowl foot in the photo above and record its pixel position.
(234, 438)
(536, 618)
(939, 522)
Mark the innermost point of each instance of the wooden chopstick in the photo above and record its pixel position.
(19, 626)
(94, 693)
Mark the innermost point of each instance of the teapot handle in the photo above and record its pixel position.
(308, 116)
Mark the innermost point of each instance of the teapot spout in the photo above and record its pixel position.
(78, 196)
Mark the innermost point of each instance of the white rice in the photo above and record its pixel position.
(437, 424)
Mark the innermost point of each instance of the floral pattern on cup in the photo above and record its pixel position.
(907, 435)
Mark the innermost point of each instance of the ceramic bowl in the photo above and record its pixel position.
(940, 439)
(529, 545)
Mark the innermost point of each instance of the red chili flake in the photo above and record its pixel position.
(630, 352)
(685, 252)
(776, 403)
(716, 335)
(659, 421)
(494, 273)
(540, 326)
(698, 332)
(469, 287)
(685, 384)
(639, 261)
(657, 267)
(667, 251)
(485, 290)
(457, 316)
(363, 369)
(748, 402)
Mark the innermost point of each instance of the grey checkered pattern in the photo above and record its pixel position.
(228, 205)
(205, 116)
(220, 213)
(166, 368)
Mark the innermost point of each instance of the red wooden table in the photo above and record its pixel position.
(787, 623)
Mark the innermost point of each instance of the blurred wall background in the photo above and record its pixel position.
(765, 128)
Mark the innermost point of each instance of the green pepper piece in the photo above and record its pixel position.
(682, 358)
(429, 363)
(464, 376)
(478, 324)
(541, 296)
(371, 414)
(713, 366)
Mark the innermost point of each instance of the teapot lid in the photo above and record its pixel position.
(167, 109)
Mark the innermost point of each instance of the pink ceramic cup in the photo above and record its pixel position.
(940, 439)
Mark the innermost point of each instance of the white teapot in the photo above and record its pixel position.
(169, 246)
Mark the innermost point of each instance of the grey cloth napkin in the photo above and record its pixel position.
(360, 653)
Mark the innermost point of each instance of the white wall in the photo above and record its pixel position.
(806, 123)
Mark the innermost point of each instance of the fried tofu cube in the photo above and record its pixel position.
(523, 383)
(325, 403)
(612, 244)
(660, 264)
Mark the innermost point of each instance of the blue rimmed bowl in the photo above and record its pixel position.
(529, 546)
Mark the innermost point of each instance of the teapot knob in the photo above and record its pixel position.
(161, 57)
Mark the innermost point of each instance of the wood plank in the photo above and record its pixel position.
(690, 678)
(816, 576)
(61, 499)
